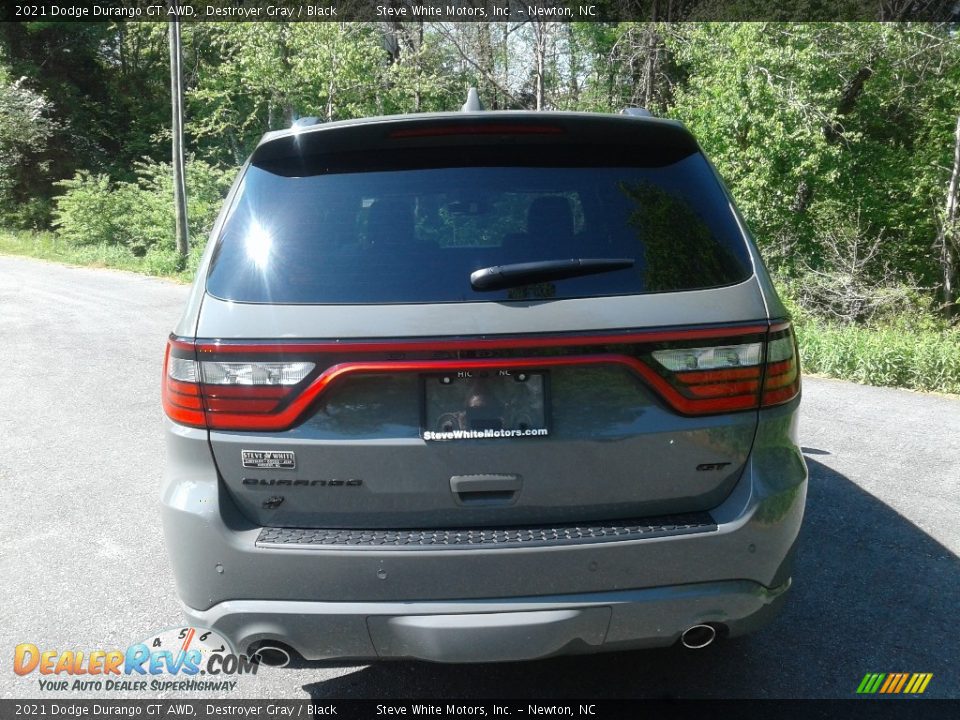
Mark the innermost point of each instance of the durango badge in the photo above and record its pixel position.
(269, 459)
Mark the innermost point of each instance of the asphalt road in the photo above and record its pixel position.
(82, 563)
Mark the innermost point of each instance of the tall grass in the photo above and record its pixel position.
(50, 246)
(915, 358)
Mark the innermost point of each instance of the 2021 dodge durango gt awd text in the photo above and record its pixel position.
(481, 386)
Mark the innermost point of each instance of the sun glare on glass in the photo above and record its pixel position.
(258, 244)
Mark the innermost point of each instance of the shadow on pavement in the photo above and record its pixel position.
(872, 593)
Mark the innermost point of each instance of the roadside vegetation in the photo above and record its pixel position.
(910, 348)
(47, 245)
(918, 358)
(841, 143)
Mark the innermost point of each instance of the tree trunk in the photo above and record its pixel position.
(487, 58)
(540, 57)
(833, 130)
(505, 60)
(391, 38)
(418, 91)
(286, 104)
(949, 240)
(652, 56)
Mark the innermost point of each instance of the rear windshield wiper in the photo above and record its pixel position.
(498, 277)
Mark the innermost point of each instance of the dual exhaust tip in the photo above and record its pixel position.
(698, 637)
(273, 655)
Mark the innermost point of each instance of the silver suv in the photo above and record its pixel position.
(481, 386)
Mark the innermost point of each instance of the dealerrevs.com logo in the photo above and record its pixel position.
(179, 659)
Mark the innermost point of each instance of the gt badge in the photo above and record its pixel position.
(269, 459)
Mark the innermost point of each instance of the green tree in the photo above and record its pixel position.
(25, 128)
(820, 128)
(105, 85)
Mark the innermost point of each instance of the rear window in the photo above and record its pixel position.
(363, 231)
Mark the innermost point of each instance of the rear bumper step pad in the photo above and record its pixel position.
(453, 538)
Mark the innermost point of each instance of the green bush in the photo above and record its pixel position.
(138, 216)
(87, 213)
(197, 246)
(32, 214)
(161, 261)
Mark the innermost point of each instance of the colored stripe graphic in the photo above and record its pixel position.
(871, 683)
(918, 683)
(900, 684)
(891, 682)
(894, 683)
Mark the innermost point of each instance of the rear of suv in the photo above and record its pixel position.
(481, 386)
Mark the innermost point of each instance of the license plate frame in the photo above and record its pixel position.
(485, 404)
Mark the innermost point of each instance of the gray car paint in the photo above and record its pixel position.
(627, 457)
(205, 529)
(497, 630)
(317, 601)
(231, 320)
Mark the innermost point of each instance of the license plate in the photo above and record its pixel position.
(481, 404)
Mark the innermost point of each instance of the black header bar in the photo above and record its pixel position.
(584, 709)
(511, 11)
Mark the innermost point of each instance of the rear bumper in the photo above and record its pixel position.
(474, 603)
(493, 630)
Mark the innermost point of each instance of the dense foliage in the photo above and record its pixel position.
(95, 210)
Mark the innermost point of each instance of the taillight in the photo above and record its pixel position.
(270, 386)
(181, 388)
(709, 379)
(712, 378)
(781, 381)
(227, 394)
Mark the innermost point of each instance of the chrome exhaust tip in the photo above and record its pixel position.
(272, 655)
(698, 636)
